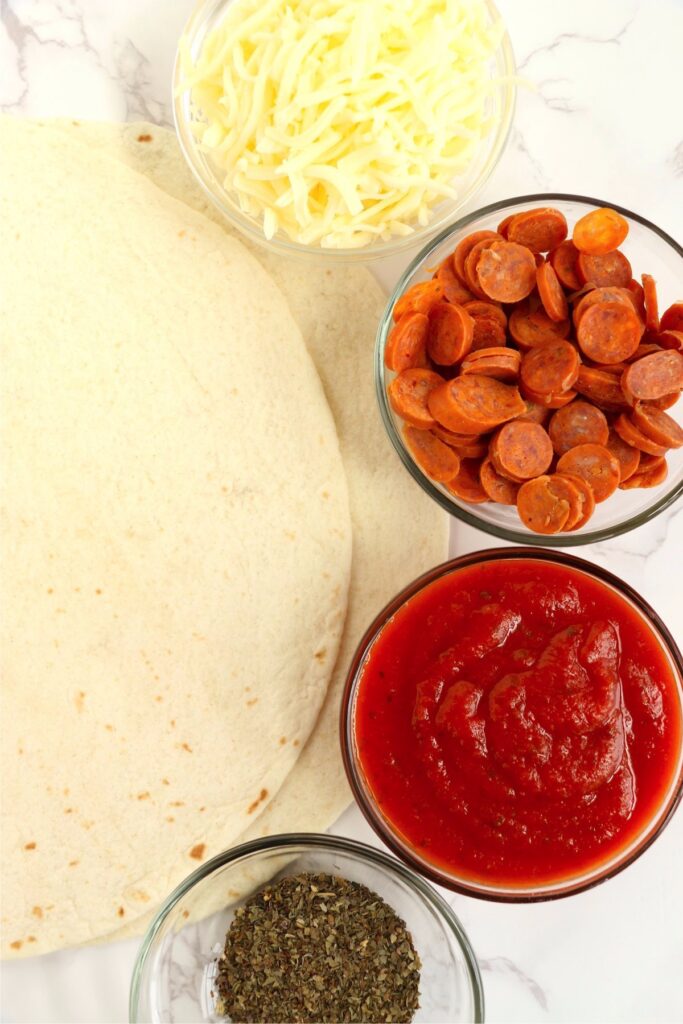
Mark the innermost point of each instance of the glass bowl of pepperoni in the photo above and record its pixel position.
(512, 725)
(528, 367)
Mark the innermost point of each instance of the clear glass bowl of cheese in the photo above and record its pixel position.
(301, 224)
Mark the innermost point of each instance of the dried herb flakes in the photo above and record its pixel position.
(315, 947)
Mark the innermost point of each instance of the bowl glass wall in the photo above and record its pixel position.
(176, 967)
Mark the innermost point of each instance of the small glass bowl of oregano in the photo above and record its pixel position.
(303, 928)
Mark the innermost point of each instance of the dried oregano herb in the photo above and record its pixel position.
(314, 947)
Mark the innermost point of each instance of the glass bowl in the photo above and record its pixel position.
(649, 249)
(501, 108)
(175, 968)
(400, 845)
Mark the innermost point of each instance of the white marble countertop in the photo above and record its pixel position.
(604, 121)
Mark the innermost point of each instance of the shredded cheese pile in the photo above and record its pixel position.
(341, 121)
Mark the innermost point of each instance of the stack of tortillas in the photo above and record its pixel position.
(186, 510)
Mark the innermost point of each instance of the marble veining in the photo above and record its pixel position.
(597, 115)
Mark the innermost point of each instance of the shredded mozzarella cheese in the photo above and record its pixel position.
(339, 122)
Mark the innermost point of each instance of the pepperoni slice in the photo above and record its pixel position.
(672, 319)
(595, 464)
(502, 228)
(604, 389)
(434, 457)
(565, 489)
(540, 509)
(487, 333)
(465, 246)
(629, 432)
(609, 332)
(553, 298)
(451, 329)
(472, 263)
(538, 230)
(638, 298)
(575, 424)
(478, 308)
(651, 303)
(500, 363)
(657, 425)
(406, 345)
(408, 393)
(521, 450)
(654, 376)
(600, 231)
(611, 270)
(498, 488)
(563, 260)
(596, 296)
(586, 498)
(419, 299)
(466, 485)
(627, 456)
(652, 475)
(551, 368)
(531, 327)
(549, 401)
(476, 450)
(506, 271)
(453, 289)
(474, 404)
(452, 439)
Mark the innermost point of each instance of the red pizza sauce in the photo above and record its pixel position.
(518, 722)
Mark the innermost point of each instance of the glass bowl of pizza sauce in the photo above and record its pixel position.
(512, 725)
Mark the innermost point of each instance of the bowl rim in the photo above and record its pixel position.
(505, 58)
(469, 515)
(368, 805)
(316, 840)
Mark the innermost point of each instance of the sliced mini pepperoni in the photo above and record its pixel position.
(530, 326)
(478, 308)
(563, 260)
(587, 501)
(453, 289)
(672, 318)
(406, 345)
(487, 333)
(474, 404)
(651, 302)
(540, 508)
(611, 270)
(506, 271)
(437, 459)
(657, 425)
(451, 329)
(626, 455)
(408, 393)
(595, 464)
(539, 230)
(498, 488)
(551, 368)
(419, 299)
(467, 485)
(600, 231)
(609, 332)
(553, 298)
(465, 246)
(654, 375)
(629, 432)
(652, 474)
(521, 450)
(575, 424)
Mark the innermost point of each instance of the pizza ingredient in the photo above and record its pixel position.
(354, 958)
(553, 381)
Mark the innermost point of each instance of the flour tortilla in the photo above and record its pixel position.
(176, 541)
(398, 532)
